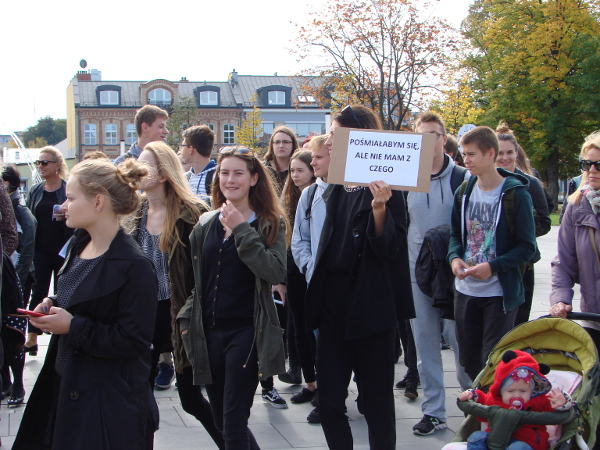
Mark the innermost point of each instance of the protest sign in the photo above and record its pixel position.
(401, 159)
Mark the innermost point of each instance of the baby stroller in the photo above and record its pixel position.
(571, 354)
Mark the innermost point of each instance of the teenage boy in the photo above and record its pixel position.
(151, 125)
(196, 148)
(427, 211)
(310, 216)
(487, 248)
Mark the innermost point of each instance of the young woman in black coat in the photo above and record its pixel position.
(359, 291)
(93, 390)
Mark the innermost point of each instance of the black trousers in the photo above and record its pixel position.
(410, 351)
(304, 341)
(234, 369)
(372, 360)
(524, 310)
(480, 324)
(194, 403)
(161, 341)
(46, 264)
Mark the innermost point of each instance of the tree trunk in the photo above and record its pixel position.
(552, 181)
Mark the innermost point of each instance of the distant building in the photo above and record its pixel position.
(100, 113)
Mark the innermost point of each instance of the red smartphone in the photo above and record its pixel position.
(30, 313)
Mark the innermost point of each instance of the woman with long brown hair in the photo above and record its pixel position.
(300, 340)
(229, 326)
(282, 145)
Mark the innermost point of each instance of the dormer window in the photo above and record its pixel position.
(276, 98)
(108, 95)
(209, 98)
(306, 99)
(208, 95)
(160, 97)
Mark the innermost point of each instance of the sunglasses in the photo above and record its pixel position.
(587, 165)
(234, 151)
(43, 162)
(354, 116)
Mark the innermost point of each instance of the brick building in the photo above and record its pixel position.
(100, 114)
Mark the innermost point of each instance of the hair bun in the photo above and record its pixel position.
(131, 172)
(503, 128)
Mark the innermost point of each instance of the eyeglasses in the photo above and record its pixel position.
(354, 116)
(587, 165)
(282, 142)
(43, 162)
(437, 135)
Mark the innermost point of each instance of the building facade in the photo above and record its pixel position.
(100, 114)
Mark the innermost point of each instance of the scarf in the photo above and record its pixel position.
(593, 197)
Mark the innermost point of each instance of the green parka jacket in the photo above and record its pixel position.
(268, 263)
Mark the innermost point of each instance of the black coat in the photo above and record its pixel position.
(104, 400)
(380, 280)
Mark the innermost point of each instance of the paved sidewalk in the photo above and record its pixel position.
(284, 429)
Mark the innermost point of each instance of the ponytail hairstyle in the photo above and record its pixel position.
(177, 192)
(119, 184)
(262, 196)
(504, 133)
(291, 193)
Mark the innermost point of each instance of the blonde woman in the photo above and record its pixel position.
(52, 231)
(167, 214)
(92, 391)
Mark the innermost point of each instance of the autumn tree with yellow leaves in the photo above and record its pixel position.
(536, 65)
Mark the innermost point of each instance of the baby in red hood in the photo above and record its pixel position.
(519, 383)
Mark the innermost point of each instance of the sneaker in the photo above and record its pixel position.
(274, 399)
(402, 383)
(304, 396)
(428, 425)
(411, 391)
(444, 344)
(291, 377)
(164, 377)
(315, 400)
(314, 416)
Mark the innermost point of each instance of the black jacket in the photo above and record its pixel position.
(35, 196)
(104, 401)
(380, 280)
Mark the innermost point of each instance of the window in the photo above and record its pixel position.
(276, 98)
(110, 134)
(209, 98)
(268, 128)
(211, 126)
(109, 97)
(228, 134)
(130, 134)
(89, 134)
(304, 129)
(306, 99)
(160, 97)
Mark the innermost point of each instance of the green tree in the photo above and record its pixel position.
(537, 66)
(384, 54)
(251, 131)
(182, 116)
(52, 131)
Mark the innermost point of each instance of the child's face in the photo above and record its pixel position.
(520, 389)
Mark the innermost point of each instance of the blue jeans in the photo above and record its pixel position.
(478, 441)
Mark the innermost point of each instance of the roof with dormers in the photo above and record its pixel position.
(232, 94)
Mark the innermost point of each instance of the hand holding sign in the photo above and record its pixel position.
(381, 193)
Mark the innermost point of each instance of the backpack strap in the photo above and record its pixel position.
(208, 181)
(312, 189)
(457, 177)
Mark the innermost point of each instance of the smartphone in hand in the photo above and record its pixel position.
(30, 313)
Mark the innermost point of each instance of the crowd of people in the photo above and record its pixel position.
(176, 266)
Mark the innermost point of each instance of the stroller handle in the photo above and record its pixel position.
(578, 316)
